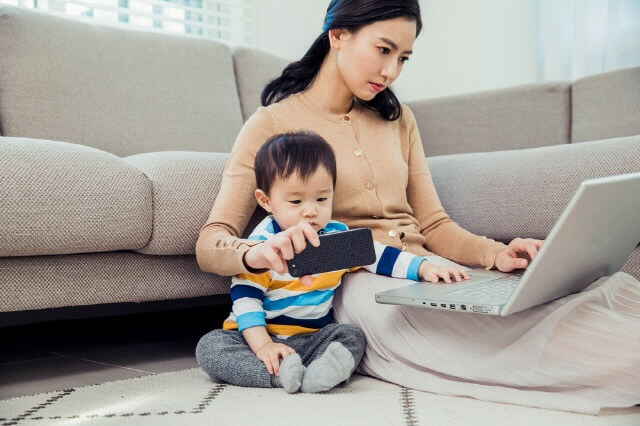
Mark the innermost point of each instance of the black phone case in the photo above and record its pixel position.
(337, 250)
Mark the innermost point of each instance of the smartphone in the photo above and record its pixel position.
(337, 250)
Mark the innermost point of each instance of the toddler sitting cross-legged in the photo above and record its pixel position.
(281, 331)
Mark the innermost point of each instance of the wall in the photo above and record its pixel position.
(465, 46)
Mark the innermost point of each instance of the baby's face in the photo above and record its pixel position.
(291, 200)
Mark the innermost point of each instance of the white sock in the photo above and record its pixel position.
(291, 370)
(332, 368)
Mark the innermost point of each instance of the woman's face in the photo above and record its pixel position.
(370, 59)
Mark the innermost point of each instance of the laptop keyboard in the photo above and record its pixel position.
(494, 292)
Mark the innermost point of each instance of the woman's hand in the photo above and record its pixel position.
(270, 355)
(433, 273)
(274, 253)
(518, 254)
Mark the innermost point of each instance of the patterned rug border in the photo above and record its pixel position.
(405, 396)
(405, 399)
(57, 395)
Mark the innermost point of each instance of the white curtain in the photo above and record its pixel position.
(584, 37)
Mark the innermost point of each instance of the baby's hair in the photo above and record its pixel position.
(284, 154)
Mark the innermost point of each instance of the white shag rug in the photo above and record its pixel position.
(189, 397)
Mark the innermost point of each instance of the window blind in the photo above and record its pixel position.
(226, 20)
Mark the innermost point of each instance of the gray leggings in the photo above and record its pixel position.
(224, 354)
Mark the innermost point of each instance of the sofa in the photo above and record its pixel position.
(113, 143)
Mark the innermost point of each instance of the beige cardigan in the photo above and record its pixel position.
(383, 183)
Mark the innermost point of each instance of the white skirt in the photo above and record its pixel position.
(580, 353)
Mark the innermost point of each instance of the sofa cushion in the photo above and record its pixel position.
(254, 69)
(59, 198)
(521, 117)
(91, 279)
(119, 90)
(185, 185)
(606, 105)
(521, 193)
(632, 266)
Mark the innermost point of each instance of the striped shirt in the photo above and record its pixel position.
(285, 306)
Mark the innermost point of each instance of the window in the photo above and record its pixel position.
(227, 20)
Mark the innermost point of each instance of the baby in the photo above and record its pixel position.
(276, 316)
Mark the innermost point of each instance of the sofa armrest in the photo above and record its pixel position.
(62, 198)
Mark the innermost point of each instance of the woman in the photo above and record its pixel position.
(339, 90)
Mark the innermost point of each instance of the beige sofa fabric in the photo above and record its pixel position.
(632, 266)
(82, 226)
(119, 90)
(185, 185)
(521, 117)
(520, 193)
(253, 70)
(59, 198)
(606, 105)
(73, 280)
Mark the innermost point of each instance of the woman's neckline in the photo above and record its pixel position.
(348, 117)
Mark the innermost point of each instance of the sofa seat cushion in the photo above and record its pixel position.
(521, 193)
(185, 185)
(62, 198)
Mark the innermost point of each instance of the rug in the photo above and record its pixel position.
(189, 397)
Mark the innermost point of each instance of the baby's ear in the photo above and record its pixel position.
(263, 200)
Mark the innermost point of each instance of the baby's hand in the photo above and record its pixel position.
(274, 253)
(433, 273)
(270, 355)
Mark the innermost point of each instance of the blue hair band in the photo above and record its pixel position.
(331, 15)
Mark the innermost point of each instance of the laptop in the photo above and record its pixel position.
(592, 238)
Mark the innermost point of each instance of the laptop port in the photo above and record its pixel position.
(435, 305)
(452, 306)
(463, 307)
(444, 305)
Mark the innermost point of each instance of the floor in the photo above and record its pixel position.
(62, 354)
(68, 354)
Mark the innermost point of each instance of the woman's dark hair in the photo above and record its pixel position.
(284, 154)
(350, 15)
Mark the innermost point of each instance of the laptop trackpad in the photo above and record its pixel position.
(475, 276)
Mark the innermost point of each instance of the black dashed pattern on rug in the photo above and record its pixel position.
(213, 393)
(408, 403)
(206, 401)
(30, 412)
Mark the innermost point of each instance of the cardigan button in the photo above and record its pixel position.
(346, 119)
(370, 185)
(358, 152)
(393, 233)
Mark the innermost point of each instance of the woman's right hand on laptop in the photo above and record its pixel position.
(518, 254)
